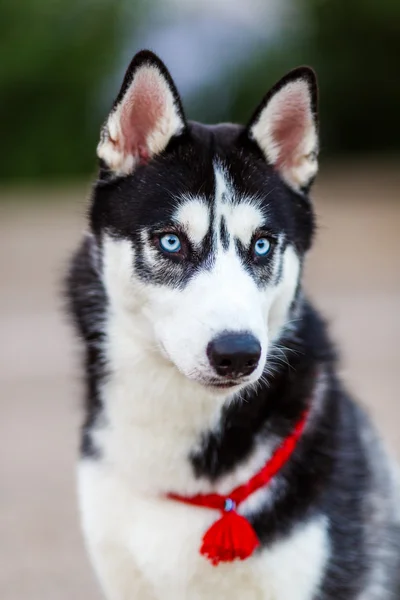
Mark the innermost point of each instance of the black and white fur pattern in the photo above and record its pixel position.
(159, 419)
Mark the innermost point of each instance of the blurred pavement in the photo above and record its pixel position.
(353, 274)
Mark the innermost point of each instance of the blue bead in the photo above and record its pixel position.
(229, 505)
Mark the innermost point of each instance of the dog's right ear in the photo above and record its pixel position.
(146, 115)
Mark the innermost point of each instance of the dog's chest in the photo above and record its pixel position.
(149, 548)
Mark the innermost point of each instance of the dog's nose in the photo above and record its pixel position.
(234, 354)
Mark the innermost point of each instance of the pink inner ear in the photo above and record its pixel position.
(290, 123)
(141, 112)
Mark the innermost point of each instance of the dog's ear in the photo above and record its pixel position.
(285, 127)
(145, 116)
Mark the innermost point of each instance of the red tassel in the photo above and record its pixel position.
(231, 537)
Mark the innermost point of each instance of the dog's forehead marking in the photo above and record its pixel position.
(194, 216)
(233, 216)
(236, 217)
(243, 219)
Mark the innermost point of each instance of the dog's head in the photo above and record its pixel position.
(202, 229)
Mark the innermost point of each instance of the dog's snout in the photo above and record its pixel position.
(234, 354)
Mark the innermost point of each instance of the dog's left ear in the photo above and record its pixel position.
(285, 127)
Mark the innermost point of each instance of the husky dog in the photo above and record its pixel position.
(202, 353)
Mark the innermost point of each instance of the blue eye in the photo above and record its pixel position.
(170, 242)
(262, 247)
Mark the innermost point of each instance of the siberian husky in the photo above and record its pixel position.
(208, 371)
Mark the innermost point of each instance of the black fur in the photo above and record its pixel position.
(224, 234)
(87, 304)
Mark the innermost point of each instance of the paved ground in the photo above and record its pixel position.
(353, 274)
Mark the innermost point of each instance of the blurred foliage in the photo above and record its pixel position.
(355, 48)
(55, 57)
(58, 55)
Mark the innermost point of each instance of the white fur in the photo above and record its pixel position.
(142, 545)
(301, 166)
(108, 150)
(194, 216)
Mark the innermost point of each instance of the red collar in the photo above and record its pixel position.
(232, 536)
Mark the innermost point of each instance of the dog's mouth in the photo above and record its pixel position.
(224, 385)
(217, 384)
(210, 383)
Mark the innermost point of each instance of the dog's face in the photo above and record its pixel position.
(202, 230)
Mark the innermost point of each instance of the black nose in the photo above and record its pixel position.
(234, 354)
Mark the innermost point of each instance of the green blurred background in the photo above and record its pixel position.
(62, 61)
